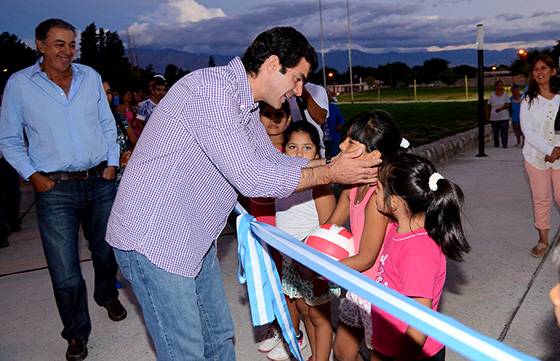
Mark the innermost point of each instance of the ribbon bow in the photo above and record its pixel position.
(264, 288)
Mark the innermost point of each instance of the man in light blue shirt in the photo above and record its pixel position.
(70, 159)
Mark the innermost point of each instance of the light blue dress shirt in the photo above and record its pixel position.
(65, 133)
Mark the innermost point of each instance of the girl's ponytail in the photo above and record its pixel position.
(443, 219)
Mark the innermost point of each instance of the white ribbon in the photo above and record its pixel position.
(264, 288)
(432, 182)
(405, 143)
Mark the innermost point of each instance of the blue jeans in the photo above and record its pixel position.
(60, 212)
(187, 318)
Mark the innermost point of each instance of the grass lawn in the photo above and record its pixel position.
(423, 122)
(391, 94)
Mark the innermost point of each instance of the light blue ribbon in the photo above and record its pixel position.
(445, 329)
(264, 288)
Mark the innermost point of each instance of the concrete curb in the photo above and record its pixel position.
(446, 149)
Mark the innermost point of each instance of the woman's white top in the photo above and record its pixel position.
(498, 101)
(297, 215)
(537, 125)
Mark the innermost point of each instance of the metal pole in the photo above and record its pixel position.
(481, 107)
(466, 88)
(322, 46)
(415, 95)
(350, 53)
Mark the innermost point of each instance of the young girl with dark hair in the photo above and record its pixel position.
(377, 135)
(426, 209)
(275, 122)
(298, 215)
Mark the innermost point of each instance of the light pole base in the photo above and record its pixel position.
(481, 155)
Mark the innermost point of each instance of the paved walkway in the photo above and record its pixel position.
(500, 290)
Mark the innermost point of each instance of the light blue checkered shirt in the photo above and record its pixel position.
(203, 142)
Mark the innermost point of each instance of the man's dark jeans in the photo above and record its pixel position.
(60, 212)
(500, 129)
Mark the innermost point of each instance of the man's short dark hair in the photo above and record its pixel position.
(43, 28)
(288, 44)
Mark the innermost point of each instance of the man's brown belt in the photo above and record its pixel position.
(96, 171)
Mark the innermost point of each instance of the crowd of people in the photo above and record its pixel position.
(387, 251)
(255, 128)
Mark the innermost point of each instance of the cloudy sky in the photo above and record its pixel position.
(227, 26)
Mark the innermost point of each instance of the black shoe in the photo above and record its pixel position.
(116, 310)
(77, 349)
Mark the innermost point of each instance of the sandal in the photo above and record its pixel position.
(539, 250)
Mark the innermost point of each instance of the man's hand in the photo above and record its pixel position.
(343, 169)
(346, 169)
(41, 183)
(109, 173)
(125, 156)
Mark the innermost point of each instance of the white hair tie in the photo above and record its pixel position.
(405, 143)
(432, 182)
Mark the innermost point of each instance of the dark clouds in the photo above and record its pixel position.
(544, 13)
(375, 27)
(510, 17)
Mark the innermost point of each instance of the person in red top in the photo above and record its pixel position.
(427, 210)
(275, 122)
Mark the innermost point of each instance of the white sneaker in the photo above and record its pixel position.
(280, 351)
(270, 340)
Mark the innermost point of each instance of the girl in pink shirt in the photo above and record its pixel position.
(427, 211)
(377, 135)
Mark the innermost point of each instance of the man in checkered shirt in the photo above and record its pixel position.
(204, 143)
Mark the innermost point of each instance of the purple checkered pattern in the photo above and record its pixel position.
(203, 142)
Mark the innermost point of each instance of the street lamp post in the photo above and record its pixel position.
(481, 108)
(322, 44)
(350, 52)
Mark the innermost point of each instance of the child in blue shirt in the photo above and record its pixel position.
(515, 100)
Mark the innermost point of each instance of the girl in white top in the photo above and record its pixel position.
(542, 145)
(298, 215)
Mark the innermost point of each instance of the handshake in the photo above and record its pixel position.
(552, 157)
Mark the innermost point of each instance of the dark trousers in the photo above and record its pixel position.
(10, 196)
(60, 212)
(500, 129)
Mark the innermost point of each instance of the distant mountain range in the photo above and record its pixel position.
(159, 58)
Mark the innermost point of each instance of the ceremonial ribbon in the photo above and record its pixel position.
(264, 288)
(445, 329)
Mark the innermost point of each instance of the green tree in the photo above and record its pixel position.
(89, 50)
(104, 51)
(371, 81)
(448, 76)
(462, 70)
(433, 68)
(16, 55)
(394, 73)
(555, 52)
